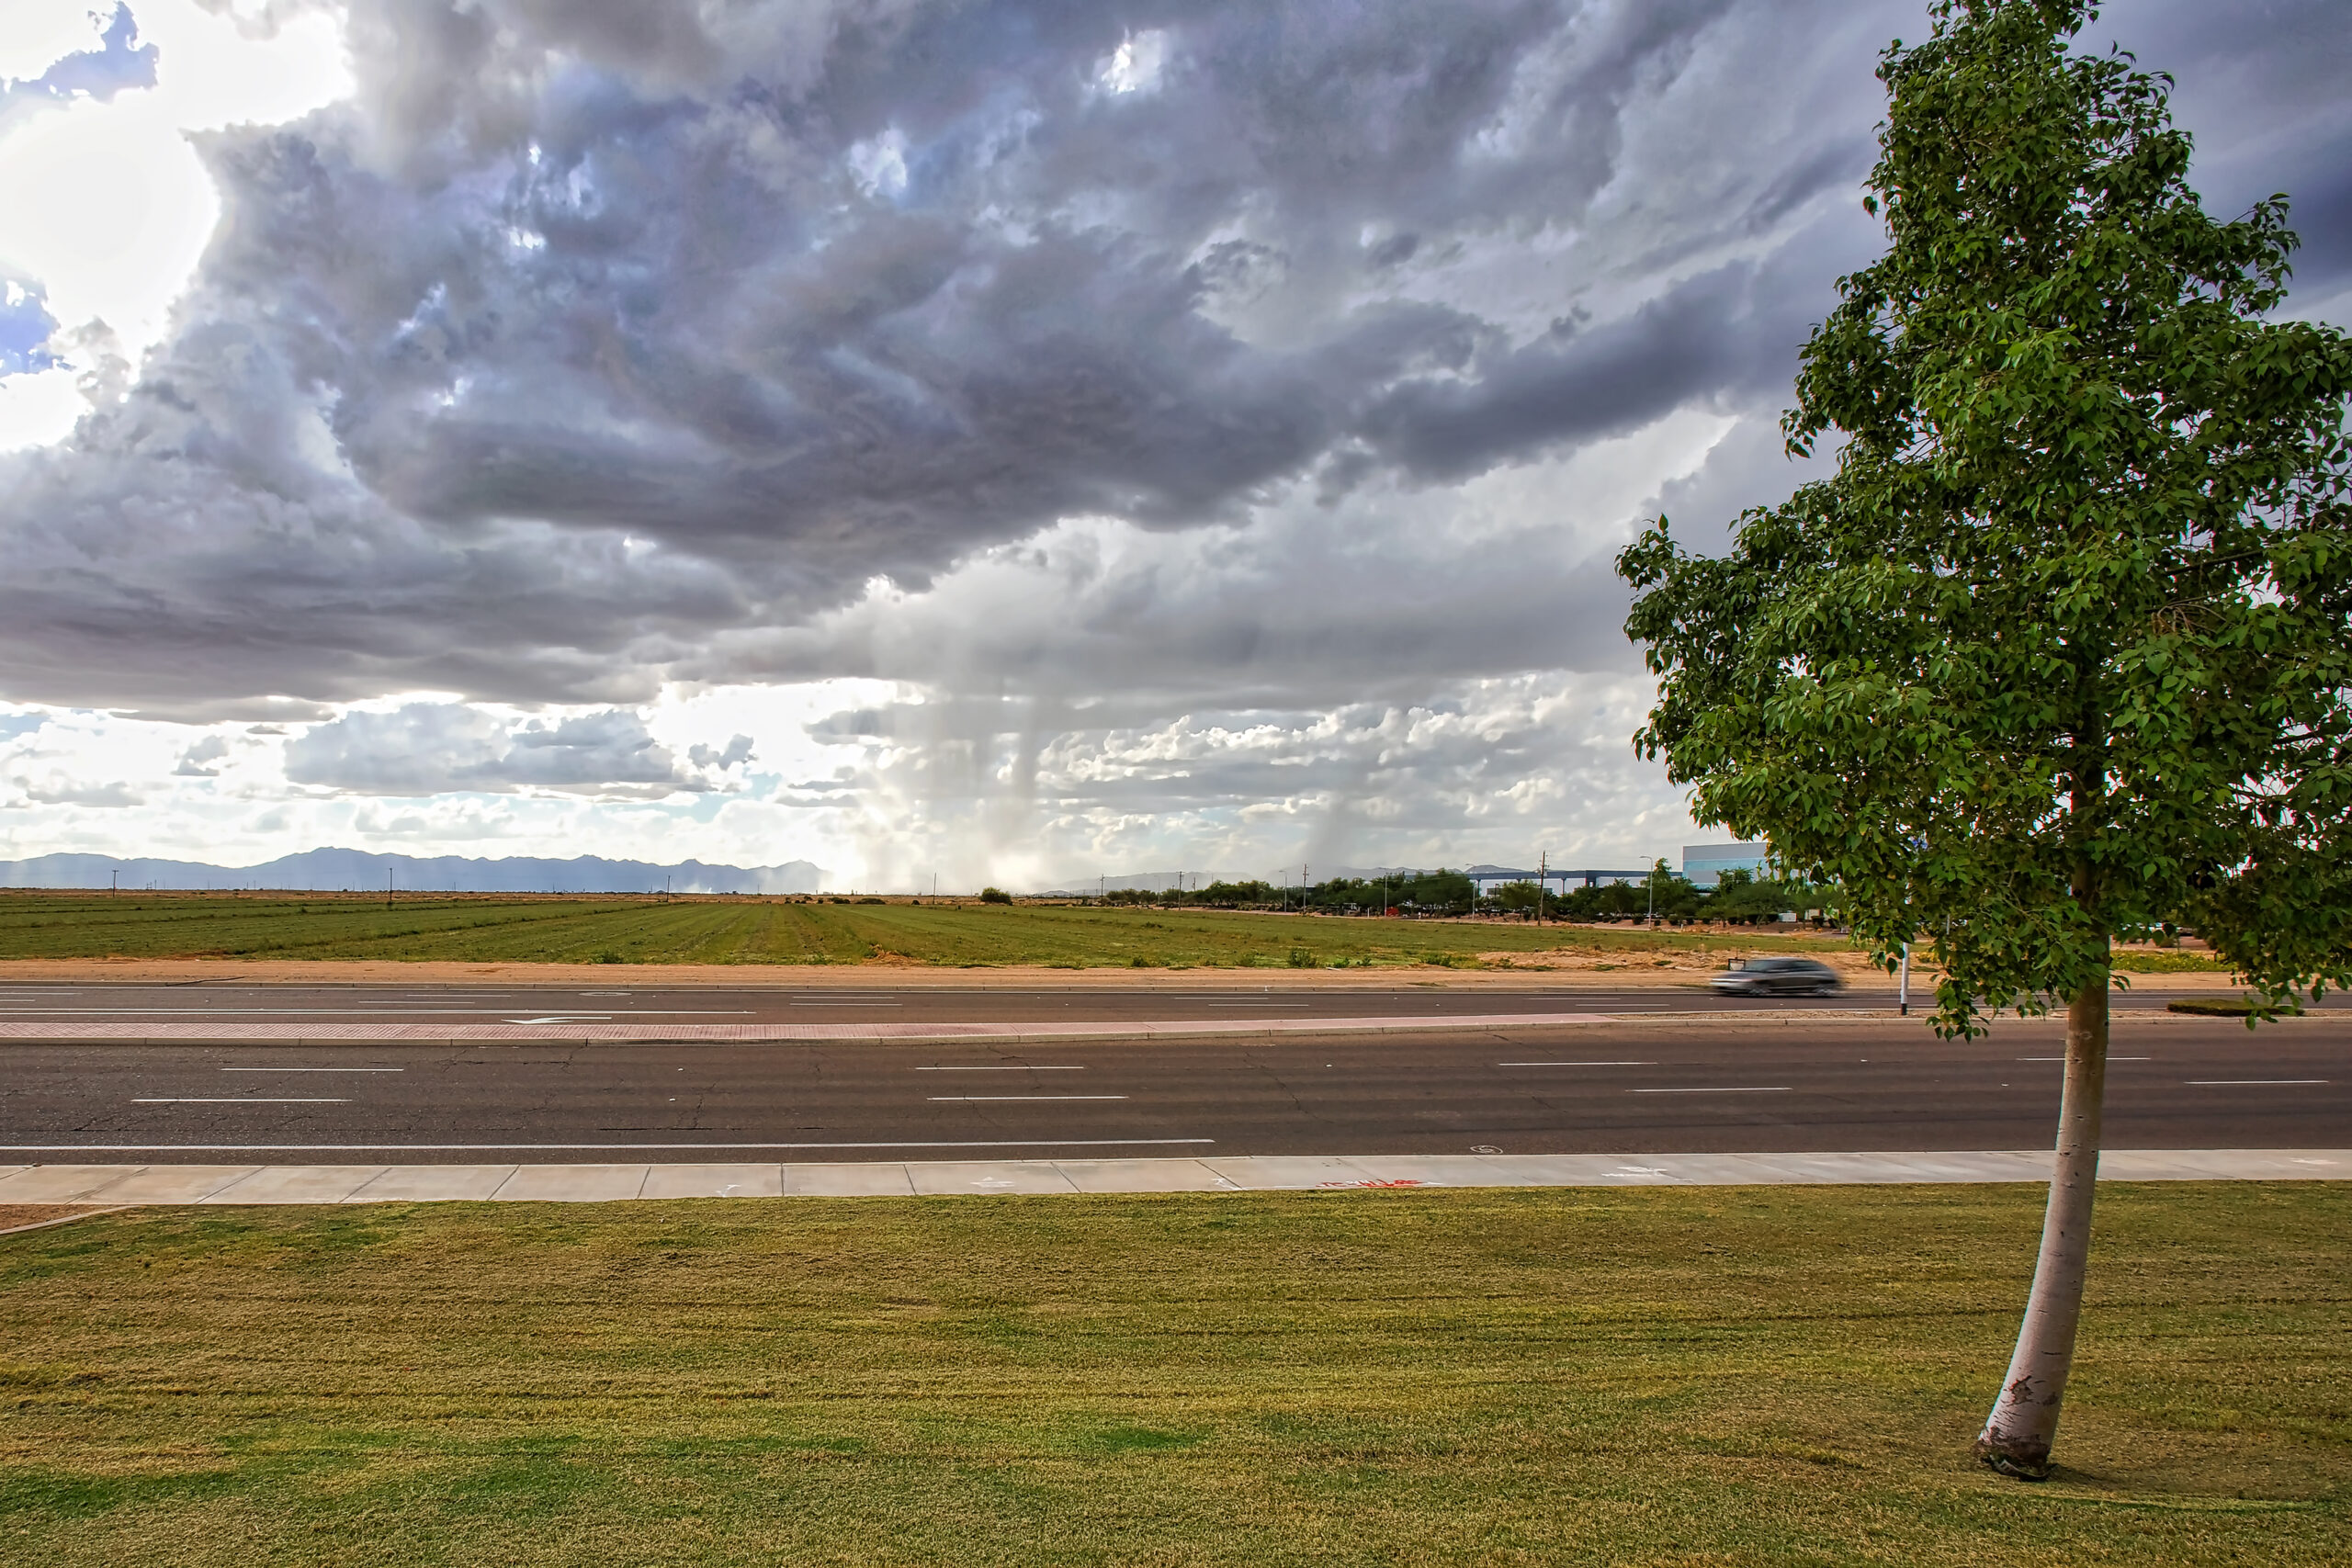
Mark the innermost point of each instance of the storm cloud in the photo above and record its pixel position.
(586, 333)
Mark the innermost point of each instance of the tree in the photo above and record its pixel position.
(1738, 895)
(1605, 901)
(1440, 889)
(1516, 899)
(1666, 895)
(2062, 651)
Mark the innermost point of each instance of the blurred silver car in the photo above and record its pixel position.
(1778, 977)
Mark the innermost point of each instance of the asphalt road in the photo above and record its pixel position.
(620, 1003)
(1671, 1085)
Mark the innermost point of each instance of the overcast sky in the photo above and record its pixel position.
(1005, 441)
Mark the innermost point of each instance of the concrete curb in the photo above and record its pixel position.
(759, 1033)
(64, 1219)
(123, 1185)
(1015, 1034)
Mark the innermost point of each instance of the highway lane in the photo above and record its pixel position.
(23, 1006)
(1670, 1086)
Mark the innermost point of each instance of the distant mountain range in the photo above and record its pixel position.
(329, 871)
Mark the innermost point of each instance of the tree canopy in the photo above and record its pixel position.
(2061, 652)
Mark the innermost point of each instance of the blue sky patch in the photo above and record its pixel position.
(25, 325)
(120, 62)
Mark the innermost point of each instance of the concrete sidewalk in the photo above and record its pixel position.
(143, 1184)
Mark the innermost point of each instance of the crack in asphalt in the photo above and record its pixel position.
(1274, 1075)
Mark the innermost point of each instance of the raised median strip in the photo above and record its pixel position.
(333, 1033)
(128, 1184)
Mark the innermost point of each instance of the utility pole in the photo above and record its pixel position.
(388, 887)
(1903, 983)
(114, 887)
(1542, 870)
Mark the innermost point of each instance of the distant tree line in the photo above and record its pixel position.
(1738, 897)
(1420, 893)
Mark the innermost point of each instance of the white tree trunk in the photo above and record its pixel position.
(2024, 1423)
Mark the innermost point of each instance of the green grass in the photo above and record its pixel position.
(1697, 1377)
(2168, 964)
(762, 931)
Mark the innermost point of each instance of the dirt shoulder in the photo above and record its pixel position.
(1566, 969)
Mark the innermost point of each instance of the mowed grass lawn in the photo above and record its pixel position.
(772, 930)
(1650, 1377)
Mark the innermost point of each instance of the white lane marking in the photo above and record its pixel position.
(1257, 1004)
(237, 1100)
(485, 1148)
(567, 1018)
(1745, 1089)
(248, 1012)
(2235, 1083)
(2062, 1058)
(314, 1069)
(999, 1069)
(1575, 1063)
(348, 1013)
(890, 1004)
(975, 1096)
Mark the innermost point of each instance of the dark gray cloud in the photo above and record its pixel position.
(1723, 338)
(597, 344)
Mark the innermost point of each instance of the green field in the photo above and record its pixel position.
(773, 930)
(1649, 1377)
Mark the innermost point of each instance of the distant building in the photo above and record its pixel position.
(1703, 864)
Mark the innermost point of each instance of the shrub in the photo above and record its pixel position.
(995, 895)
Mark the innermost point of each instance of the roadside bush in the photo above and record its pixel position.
(995, 895)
